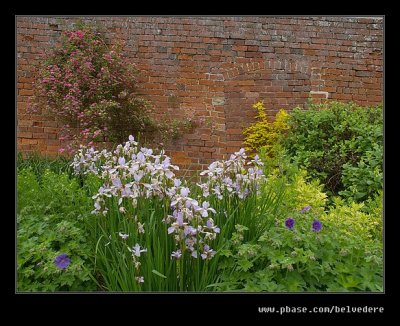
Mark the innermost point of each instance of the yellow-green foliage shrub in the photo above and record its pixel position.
(265, 134)
(299, 192)
(353, 220)
(308, 193)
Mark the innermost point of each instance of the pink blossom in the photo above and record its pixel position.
(80, 34)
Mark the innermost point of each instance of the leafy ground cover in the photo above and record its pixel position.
(128, 224)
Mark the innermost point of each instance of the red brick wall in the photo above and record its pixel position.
(215, 68)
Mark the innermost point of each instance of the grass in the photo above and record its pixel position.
(39, 164)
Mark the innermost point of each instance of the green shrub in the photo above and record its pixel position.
(374, 205)
(364, 179)
(342, 256)
(341, 144)
(345, 255)
(263, 135)
(354, 220)
(50, 221)
(301, 193)
(298, 191)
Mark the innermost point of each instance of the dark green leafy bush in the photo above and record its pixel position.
(341, 144)
(362, 180)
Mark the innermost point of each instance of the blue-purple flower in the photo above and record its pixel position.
(62, 261)
(305, 209)
(176, 254)
(124, 236)
(208, 253)
(136, 250)
(178, 224)
(210, 225)
(185, 192)
(289, 223)
(206, 207)
(121, 162)
(117, 182)
(317, 225)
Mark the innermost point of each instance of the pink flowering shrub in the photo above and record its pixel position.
(90, 88)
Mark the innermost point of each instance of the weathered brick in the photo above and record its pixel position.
(24, 134)
(25, 92)
(363, 73)
(202, 60)
(25, 141)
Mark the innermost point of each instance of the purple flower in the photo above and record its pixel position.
(241, 153)
(121, 161)
(166, 163)
(140, 157)
(206, 207)
(185, 192)
(176, 254)
(62, 261)
(317, 225)
(208, 253)
(126, 192)
(124, 236)
(97, 205)
(305, 209)
(136, 250)
(190, 230)
(117, 183)
(169, 174)
(178, 223)
(289, 223)
(211, 226)
(138, 176)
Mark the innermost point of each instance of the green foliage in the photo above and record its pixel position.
(341, 144)
(364, 179)
(298, 191)
(263, 135)
(50, 221)
(39, 164)
(301, 259)
(374, 205)
(346, 255)
(255, 250)
(355, 218)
